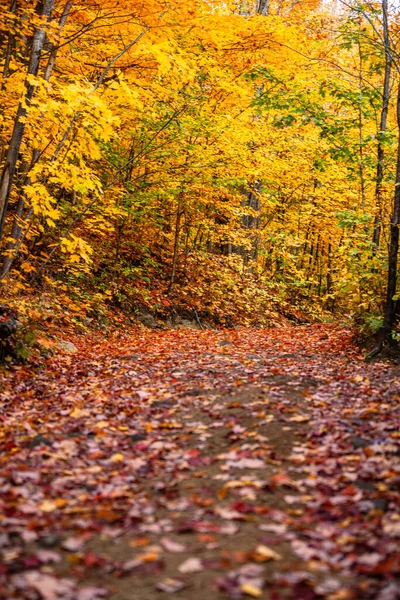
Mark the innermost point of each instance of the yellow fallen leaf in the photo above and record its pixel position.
(237, 483)
(102, 424)
(341, 595)
(299, 419)
(48, 506)
(94, 469)
(77, 412)
(251, 590)
(263, 553)
(381, 487)
(117, 457)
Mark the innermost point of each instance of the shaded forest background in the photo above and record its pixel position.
(229, 162)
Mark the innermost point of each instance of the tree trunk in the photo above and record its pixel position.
(263, 7)
(20, 220)
(382, 127)
(10, 45)
(179, 213)
(361, 135)
(54, 51)
(6, 71)
(8, 173)
(384, 335)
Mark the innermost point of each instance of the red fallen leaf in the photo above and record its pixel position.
(90, 559)
(146, 563)
(304, 591)
(30, 562)
(244, 508)
(198, 526)
(389, 565)
(281, 479)
(206, 538)
(229, 585)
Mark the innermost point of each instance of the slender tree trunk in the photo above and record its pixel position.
(382, 127)
(329, 273)
(263, 7)
(361, 136)
(54, 51)
(8, 173)
(384, 335)
(6, 72)
(10, 46)
(179, 213)
(394, 240)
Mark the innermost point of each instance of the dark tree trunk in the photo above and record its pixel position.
(384, 335)
(382, 127)
(179, 214)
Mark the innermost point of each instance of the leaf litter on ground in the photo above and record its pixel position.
(198, 468)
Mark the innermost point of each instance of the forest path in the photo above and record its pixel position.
(201, 465)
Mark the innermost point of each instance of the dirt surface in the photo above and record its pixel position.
(192, 465)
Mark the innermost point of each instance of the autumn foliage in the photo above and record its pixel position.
(227, 161)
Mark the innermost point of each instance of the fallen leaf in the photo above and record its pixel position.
(264, 553)
(299, 419)
(49, 587)
(48, 506)
(170, 585)
(117, 458)
(172, 546)
(91, 593)
(191, 565)
(251, 590)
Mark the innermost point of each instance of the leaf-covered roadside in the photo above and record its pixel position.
(243, 463)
